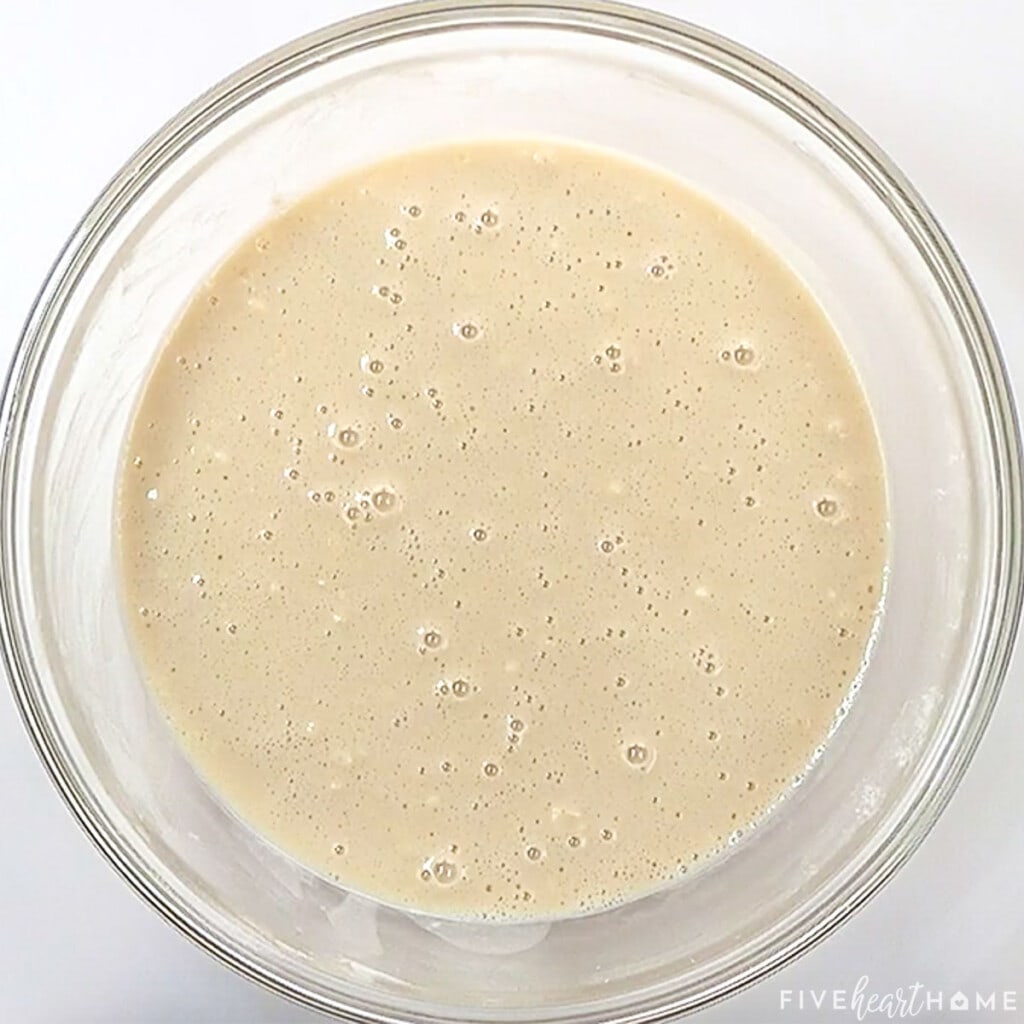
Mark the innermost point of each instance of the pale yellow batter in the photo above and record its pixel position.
(502, 527)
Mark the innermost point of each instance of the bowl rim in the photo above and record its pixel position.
(686, 41)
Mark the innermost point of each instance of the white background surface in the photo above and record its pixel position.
(938, 83)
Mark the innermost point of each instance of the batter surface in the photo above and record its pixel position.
(501, 529)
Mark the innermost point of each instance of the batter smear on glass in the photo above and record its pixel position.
(502, 527)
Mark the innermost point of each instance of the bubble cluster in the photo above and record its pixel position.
(706, 661)
(444, 872)
(660, 268)
(611, 358)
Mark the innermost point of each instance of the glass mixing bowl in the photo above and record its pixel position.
(761, 144)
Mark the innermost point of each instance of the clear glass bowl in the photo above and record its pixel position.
(763, 145)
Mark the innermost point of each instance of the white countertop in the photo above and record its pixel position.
(938, 83)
